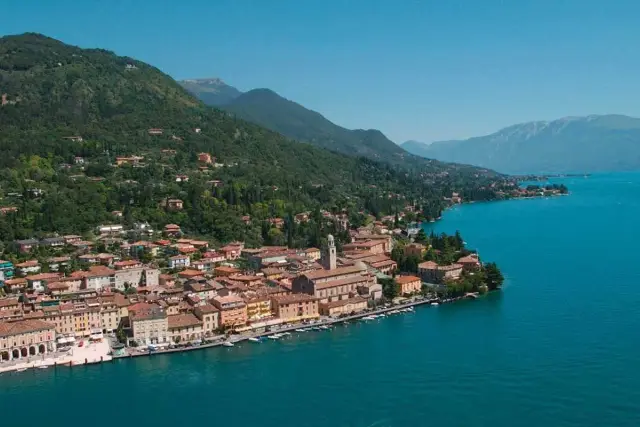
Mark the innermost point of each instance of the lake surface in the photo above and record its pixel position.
(559, 346)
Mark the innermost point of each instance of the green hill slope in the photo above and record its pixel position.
(108, 103)
(268, 109)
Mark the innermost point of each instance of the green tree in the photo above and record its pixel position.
(389, 288)
(121, 335)
(421, 237)
(494, 277)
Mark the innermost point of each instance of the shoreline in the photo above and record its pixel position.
(70, 361)
(291, 328)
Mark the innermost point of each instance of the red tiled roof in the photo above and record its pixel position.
(322, 274)
(24, 326)
(178, 321)
(402, 280)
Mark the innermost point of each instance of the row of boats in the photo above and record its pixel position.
(388, 313)
(280, 335)
(34, 367)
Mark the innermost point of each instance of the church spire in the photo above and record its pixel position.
(329, 256)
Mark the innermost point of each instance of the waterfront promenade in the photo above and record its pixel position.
(91, 352)
(327, 321)
(99, 352)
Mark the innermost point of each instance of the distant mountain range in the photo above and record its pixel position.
(572, 144)
(266, 108)
(212, 91)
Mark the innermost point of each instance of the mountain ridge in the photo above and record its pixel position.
(211, 90)
(269, 109)
(570, 144)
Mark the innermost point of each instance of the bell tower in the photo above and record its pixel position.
(329, 255)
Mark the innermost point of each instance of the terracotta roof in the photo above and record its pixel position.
(430, 265)
(189, 273)
(98, 271)
(24, 326)
(206, 309)
(228, 299)
(44, 276)
(383, 263)
(30, 263)
(59, 259)
(105, 256)
(8, 302)
(145, 311)
(340, 303)
(342, 282)
(245, 278)
(57, 286)
(323, 274)
(226, 269)
(401, 280)
(365, 244)
(178, 321)
(127, 263)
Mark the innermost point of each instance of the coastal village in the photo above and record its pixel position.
(80, 306)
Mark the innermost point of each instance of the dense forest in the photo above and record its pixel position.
(68, 114)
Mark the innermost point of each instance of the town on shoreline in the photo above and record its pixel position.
(169, 292)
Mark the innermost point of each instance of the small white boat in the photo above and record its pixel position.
(325, 327)
(285, 334)
(228, 344)
(409, 309)
(368, 318)
(274, 337)
(394, 312)
(301, 330)
(21, 369)
(434, 304)
(382, 315)
(315, 328)
(252, 339)
(43, 367)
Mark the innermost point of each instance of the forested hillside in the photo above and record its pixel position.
(69, 114)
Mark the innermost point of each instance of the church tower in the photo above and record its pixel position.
(329, 255)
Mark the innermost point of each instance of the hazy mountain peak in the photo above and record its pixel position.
(212, 90)
(568, 144)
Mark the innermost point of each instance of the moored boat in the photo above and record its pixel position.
(253, 339)
(228, 344)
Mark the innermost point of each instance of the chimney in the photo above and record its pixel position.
(4, 99)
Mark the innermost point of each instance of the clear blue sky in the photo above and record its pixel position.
(426, 70)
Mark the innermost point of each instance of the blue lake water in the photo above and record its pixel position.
(557, 347)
